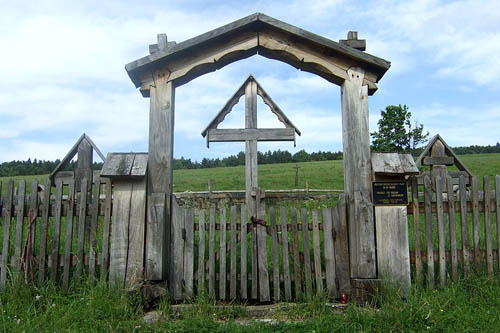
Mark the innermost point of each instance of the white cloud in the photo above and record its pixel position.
(62, 66)
(450, 35)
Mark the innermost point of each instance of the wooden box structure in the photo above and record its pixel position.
(390, 194)
(128, 175)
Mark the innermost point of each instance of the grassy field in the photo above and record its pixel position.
(469, 305)
(97, 308)
(318, 175)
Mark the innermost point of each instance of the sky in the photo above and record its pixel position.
(62, 72)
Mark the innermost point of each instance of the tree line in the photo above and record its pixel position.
(269, 157)
(41, 167)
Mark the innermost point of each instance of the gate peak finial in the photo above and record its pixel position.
(353, 41)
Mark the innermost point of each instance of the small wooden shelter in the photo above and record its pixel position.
(84, 149)
(439, 156)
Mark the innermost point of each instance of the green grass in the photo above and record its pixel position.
(319, 175)
(97, 308)
(469, 305)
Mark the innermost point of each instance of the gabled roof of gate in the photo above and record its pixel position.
(72, 152)
(228, 107)
(255, 23)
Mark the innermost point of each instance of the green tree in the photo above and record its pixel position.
(396, 132)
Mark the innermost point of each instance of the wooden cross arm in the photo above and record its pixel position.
(260, 134)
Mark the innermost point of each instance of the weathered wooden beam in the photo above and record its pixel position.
(213, 57)
(255, 23)
(357, 175)
(261, 134)
(276, 46)
(160, 176)
(438, 160)
(251, 145)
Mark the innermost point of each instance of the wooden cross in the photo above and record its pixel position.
(253, 195)
(250, 134)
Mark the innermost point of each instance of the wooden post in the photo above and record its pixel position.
(251, 172)
(251, 145)
(439, 169)
(84, 164)
(357, 175)
(160, 176)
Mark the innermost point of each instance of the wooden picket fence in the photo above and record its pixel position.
(454, 232)
(59, 235)
(296, 254)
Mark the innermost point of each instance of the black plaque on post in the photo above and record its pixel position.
(390, 193)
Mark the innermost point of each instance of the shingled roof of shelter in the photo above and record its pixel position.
(257, 22)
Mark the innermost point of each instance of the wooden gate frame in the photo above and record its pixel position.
(170, 65)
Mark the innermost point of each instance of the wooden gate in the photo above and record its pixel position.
(284, 253)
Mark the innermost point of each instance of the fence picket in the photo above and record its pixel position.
(317, 253)
(211, 254)
(6, 232)
(29, 250)
(82, 217)
(264, 292)
(106, 228)
(276, 257)
(296, 254)
(222, 255)
(307, 252)
(43, 232)
(56, 231)
(475, 223)
(33, 214)
(93, 226)
(464, 225)
(416, 229)
(243, 253)
(189, 252)
(487, 225)
(441, 230)
(19, 225)
(232, 283)
(69, 235)
(253, 228)
(286, 260)
(341, 247)
(178, 241)
(201, 251)
(428, 231)
(453, 229)
(329, 249)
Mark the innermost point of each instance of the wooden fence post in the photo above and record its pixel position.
(160, 175)
(357, 175)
